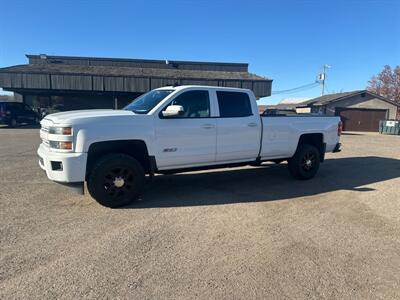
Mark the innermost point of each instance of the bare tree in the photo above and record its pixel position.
(386, 83)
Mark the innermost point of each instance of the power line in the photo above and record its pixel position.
(297, 89)
(327, 89)
(321, 80)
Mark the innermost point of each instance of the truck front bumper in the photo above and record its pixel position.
(62, 167)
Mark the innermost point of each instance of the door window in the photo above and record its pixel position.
(16, 107)
(196, 104)
(233, 104)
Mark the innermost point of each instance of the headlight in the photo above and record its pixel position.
(60, 145)
(61, 130)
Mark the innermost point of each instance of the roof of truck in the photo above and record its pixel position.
(181, 87)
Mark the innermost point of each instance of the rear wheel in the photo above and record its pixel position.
(305, 162)
(116, 180)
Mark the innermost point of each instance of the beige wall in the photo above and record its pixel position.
(363, 102)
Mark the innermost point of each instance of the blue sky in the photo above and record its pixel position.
(287, 41)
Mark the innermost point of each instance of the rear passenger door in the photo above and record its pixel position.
(238, 127)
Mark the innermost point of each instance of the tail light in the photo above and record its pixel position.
(339, 128)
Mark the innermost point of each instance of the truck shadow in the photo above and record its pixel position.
(269, 183)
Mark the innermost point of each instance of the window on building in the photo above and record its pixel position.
(196, 104)
(233, 104)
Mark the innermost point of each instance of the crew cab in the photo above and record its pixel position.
(176, 129)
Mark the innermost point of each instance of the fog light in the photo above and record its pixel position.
(56, 166)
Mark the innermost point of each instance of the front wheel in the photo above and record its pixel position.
(116, 180)
(305, 162)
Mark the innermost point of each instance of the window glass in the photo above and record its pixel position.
(233, 104)
(196, 104)
(14, 106)
(146, 102)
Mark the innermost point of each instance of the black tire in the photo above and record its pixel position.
(305, 162)
(13, 123)
(116, 180)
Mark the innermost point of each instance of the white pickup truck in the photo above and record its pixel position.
(177, 129)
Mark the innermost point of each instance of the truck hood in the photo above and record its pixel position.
(70, 117)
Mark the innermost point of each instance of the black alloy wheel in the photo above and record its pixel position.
(116, 180)
(308, 161)
(305, 162)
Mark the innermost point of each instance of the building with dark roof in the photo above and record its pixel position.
(359, 110)
(65, 83)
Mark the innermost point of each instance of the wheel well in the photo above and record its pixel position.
(315, 139)
(134, 148)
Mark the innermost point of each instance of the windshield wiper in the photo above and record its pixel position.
(140, 111)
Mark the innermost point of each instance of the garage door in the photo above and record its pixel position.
(361, 119)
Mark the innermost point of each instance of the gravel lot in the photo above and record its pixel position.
(238, 233)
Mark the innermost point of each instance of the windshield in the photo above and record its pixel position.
(146, 102)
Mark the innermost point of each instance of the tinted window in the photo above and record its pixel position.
(196, 104)
(234, 104)
(14, 106)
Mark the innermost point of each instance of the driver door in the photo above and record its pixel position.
(188, 139)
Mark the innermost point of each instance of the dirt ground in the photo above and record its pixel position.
(243, 233)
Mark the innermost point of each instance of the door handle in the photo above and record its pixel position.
(207, 126)
(252, 124)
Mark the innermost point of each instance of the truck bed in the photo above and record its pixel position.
(280, 134)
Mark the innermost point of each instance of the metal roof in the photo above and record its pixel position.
(326, 99)
(126, 75)
(130, 62)
(128, 71)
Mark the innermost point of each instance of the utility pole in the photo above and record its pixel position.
(322, 77)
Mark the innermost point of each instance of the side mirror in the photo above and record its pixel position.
(173, 111)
